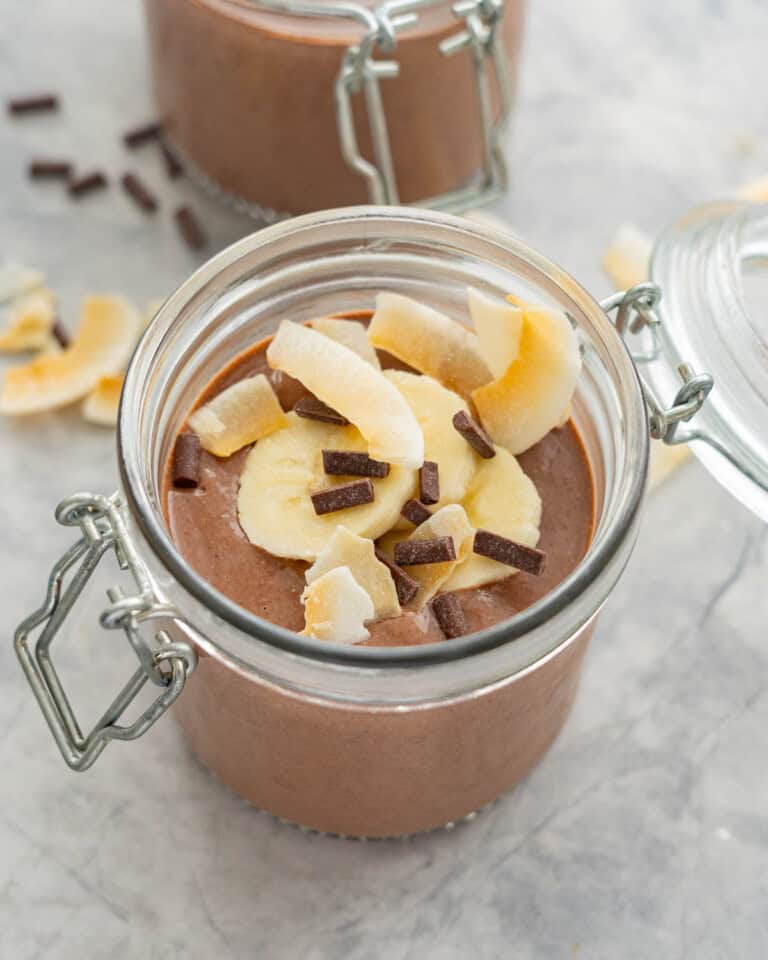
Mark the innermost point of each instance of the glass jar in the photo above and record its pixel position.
(298, 105)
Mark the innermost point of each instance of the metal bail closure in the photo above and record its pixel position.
(635, 313)
(166, 663)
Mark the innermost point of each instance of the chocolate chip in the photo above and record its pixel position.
(352, 494)
(141, 135)
(60, 335)
(88, 183)
(349, 463)
(406, 586)
(429, 482)
(313, 409)
(416, 512)
(474, 434)
(139, 193)
(36, 104)
(496, 547)
(436, 550)
(449, 615)
(50, 169)
(190, 229)
(185, 470)
(173, 166)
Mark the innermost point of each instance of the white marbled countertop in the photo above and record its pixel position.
(644, 833)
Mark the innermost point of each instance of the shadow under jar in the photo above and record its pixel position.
(295, 106)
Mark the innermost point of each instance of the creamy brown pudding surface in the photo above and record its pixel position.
(205, 527)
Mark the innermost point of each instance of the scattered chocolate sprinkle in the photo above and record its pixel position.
(60, 334)
(349, 463)
(474, 434)
(185, 470)
(36, 104)
(436, 550)
(190, 228)
(429, 482)
(449, 615)
(406, 586)
(139, 193)
(352, 494)
(173, 166)
(50, 169)
(141, 135)
(91, 181)
(416, 512)
(313, 409)
(496, 547)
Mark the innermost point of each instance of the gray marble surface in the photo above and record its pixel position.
(644, 833)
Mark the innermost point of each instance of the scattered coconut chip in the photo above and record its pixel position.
(16, 279)
(350, 334)
(429, 341)
(237, 416)
(499, 326)
(336, 608)
(627, 257)
(31, 319)
(450, 521)
(346, 549)
(102, 403)
(105, 338)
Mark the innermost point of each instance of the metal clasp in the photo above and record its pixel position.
(635, 311)
(166, 663)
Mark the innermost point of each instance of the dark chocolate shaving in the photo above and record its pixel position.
(139, 193)
(416, 512)
(143, 134)
(496, 547)
(429, 482)
(185, 468)
(313, 409)
(50, 169)
(173, 166)
(60, 335)
(190, 229)
(406, 586)
(436, 550)
(474, 434)
(449, 615)
(347, 495)
(36, 104)
(340, 463)
(86, 184)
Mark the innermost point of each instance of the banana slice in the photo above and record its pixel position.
(346, 549)
(16, 279)
(526, 403)
(239, 415)
(428, 341)
(103, 402)
(626, 259)
(105, 339)
(338, 377)
(450, 521)
(349, 333)
(30, 321)
(434, 407)
(503, 499)
(282, 471)
(499, 326)
(336, 607)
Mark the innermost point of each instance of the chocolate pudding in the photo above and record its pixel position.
(248, 96)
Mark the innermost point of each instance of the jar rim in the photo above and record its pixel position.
(620, 525)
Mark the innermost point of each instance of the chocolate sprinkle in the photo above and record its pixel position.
(190, 229)
(173, 166)
(429, 482)
(449, 615)
(406, 586)
(416, 512)
(36, 104)
(347, 495)
(349, 463)
(496, 547)
(60, 335)
(474, 434)
(139, 193)
(92, 181)
(313, 409)
(141, 135)
(436, 550)
(185, 470)
(50, 169)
